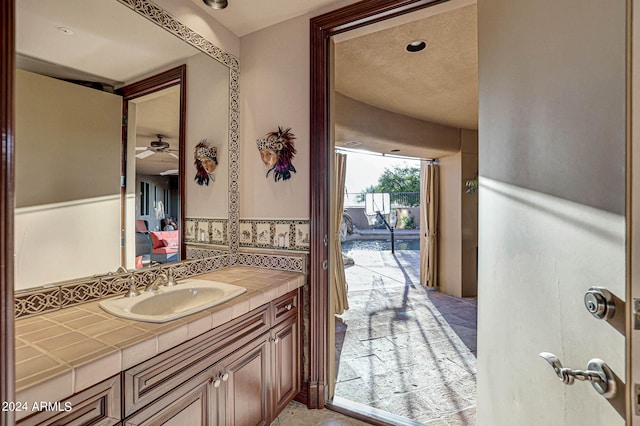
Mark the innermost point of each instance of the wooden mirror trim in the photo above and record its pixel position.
(140, 88)
(322, 28)
(7, 77)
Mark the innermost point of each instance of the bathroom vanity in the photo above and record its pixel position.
(237, 363)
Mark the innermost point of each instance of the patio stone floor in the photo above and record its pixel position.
(404, 349)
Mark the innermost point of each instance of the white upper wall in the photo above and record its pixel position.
(274, 91)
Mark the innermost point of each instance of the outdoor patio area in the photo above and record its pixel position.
(403, 349)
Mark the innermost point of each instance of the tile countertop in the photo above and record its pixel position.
(63, 352)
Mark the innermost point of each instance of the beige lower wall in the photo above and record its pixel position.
(68, 141)
(450, 231)
(59, 242)
(459, 220)
(378, 130)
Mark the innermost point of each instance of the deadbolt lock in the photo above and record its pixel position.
(599, 302)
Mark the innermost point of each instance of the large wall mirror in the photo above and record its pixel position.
(87, 202)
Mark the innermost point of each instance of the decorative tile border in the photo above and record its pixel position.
(36, 302)
(194, 252)
(274, 234)
(206, 231)
(47, 299)
(274, 261)
(162, 18)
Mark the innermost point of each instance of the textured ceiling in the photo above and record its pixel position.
(438, 84)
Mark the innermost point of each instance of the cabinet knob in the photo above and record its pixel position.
(276, 340)
(225, 377)
(216, 383)
(288, 307)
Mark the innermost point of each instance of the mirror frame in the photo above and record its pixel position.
(165, 20)
(189, 250)
(7, 128)
(7, 80)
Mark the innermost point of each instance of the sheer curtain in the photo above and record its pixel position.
(339, 292)
(429, 199)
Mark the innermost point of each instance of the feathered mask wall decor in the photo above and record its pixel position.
(277, 152)
(206, 161)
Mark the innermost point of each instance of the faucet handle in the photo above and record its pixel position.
(157, 281)
(171, 281)
(133, 290)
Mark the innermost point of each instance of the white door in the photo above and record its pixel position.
(552, 152)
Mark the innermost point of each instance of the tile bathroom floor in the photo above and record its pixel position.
(404, 349)
(296, 414)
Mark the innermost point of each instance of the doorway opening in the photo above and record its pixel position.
(153, 208)
(402, 352)
(445, 139)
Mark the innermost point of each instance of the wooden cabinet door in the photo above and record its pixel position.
(286, 367)
(193, 406)
(247, 390)
(97, 405)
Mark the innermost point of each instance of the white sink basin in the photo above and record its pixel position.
(169, 303)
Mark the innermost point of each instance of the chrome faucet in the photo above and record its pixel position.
(160, 279)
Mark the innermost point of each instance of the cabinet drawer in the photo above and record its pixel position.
(284, 307)
(153, 378)
(187, 406)
(97, 405)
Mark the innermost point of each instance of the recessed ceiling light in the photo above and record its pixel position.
(65, 30)
(416, 46)
(216, 4)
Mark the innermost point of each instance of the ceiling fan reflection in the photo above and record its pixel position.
(155, 147)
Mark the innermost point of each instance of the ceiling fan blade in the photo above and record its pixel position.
(145, 154)
(169, 172)
(173, 155)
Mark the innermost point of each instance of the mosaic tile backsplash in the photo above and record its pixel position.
(275, 234)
